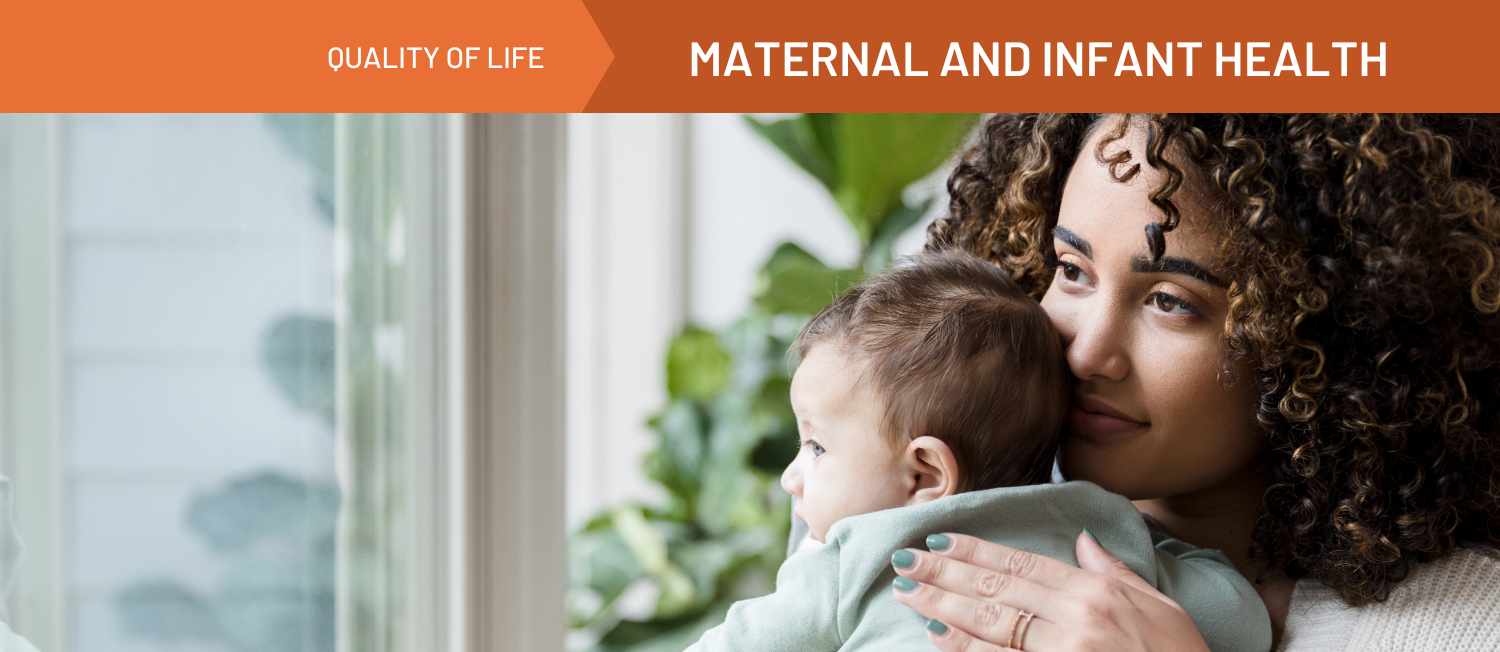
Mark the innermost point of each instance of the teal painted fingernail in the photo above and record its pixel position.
(936, 627)
(1091, 535)
(903, 559)
(938, 542)
(905, 584)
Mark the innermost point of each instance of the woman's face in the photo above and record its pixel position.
(1151, 416)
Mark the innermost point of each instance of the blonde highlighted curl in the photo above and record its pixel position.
(1364, 290)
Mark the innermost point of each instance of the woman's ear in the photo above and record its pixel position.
(932, 471)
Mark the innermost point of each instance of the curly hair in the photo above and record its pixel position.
(1364, 289)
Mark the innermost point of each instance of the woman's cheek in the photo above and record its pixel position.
(1203, 433)
(1200, 433)
(1236, 440)
(1061, 311)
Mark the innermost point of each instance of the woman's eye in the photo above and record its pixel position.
(1172, 305)
(1072, 273)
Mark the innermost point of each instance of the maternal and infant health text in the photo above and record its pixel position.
(1058, 59)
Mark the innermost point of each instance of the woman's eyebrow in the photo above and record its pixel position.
(1073, 241)
(1144, 265)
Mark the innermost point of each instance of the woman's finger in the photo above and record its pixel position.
(1042, 570)
(979, 619)
(983, 584)
(957, 640)
(1093, 557)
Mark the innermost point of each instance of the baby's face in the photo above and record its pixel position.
(845, 466)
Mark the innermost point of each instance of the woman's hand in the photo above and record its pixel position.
(975, 588)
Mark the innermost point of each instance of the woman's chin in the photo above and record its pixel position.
(1104, 466)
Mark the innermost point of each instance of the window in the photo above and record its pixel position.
(257, 375)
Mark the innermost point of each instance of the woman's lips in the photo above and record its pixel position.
(1092, 417)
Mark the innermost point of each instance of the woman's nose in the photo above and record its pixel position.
(1097, 345)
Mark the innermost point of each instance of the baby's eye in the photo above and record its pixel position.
(816, 449)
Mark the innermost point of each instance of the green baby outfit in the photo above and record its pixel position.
(838, 596)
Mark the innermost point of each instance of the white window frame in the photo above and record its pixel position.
(516, 426)
(487, 390)
(32, 370)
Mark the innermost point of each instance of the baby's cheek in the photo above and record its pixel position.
(814, 504)
(828, 500)
(872, 492)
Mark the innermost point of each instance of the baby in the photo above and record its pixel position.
(930, 398)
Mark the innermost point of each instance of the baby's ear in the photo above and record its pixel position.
(932, 470)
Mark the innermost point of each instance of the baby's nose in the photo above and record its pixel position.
(791, 480)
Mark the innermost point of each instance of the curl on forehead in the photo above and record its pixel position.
(1141, 149)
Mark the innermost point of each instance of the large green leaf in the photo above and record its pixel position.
(696, 366)
(707, 561)
(883, 153)
(881, 251)
(167, 612)
(663, 635)
(298, 351)
(649, 546)
(796, 281)
(732, 438)
(808, 140)
(773, 412)
(754, 347)
(265, 505)
(601, 561)
(866, 160)
(310, 136)
(678, 462)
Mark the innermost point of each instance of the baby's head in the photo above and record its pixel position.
(937, 376)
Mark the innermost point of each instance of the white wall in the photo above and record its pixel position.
(625, 299)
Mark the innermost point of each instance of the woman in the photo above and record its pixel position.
(1285, 338)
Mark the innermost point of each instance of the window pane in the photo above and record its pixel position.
(243, 455)
(199, 356)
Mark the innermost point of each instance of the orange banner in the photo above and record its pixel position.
(284, 55)
(1438, 56)
(551, 55)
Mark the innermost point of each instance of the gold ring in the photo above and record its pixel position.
(1018, 629)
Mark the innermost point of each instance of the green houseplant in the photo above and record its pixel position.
(728, 430)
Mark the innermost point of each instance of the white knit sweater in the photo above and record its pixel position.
(1450, 605)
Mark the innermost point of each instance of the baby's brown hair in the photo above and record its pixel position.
(956, 351)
